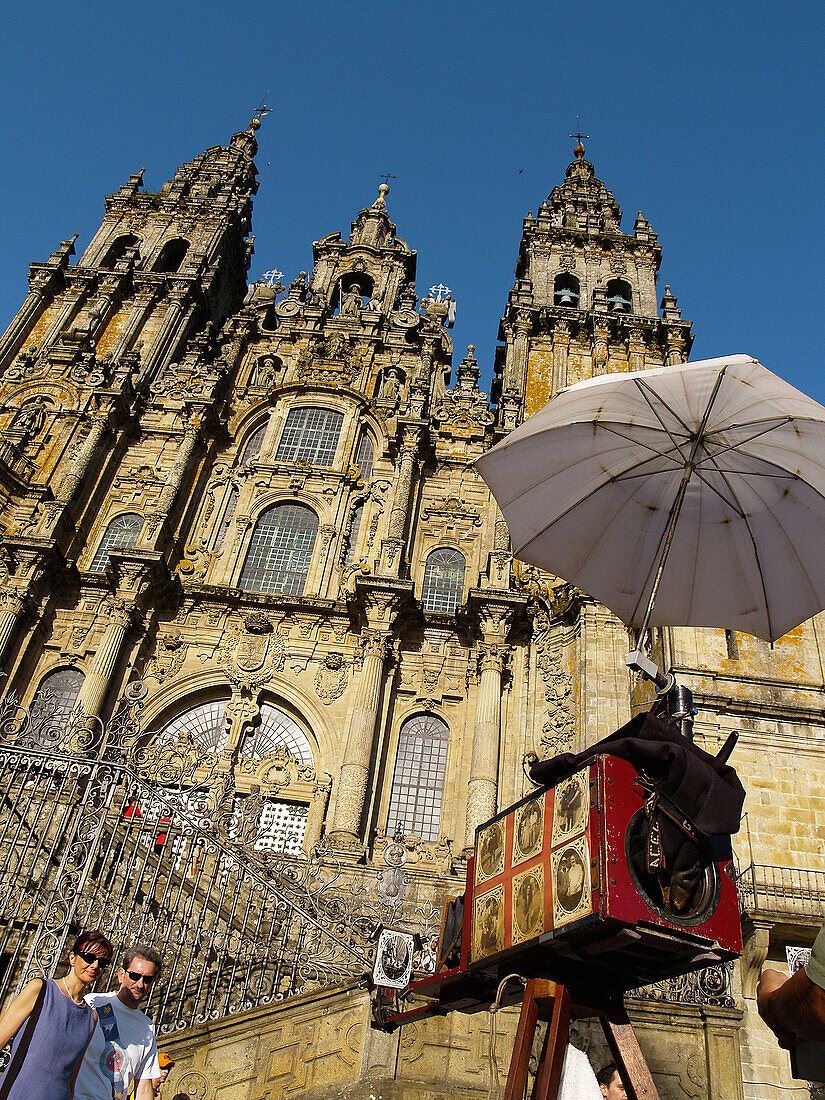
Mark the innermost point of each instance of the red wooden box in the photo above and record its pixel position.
(553, 892)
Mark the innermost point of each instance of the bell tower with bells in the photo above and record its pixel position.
(585, 300)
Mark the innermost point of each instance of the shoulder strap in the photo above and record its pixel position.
(23, 1046)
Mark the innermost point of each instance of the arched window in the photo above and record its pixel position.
(364, 456)
(118, 250)
(253, 445)
(121, 534)
(278, 728)
(310, 435)
(58, 694)
(418, 782)
(171, 256)
(280, 551)
(205, 724)
(619, 296)
(443, 581)
(226, 519)
(352, 534)
(566, 290)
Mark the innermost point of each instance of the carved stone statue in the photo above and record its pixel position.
(351, 302)
(29, 421)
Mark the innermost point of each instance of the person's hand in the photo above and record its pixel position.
(770, 982)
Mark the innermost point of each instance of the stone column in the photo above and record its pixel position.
(83, 460)
(393, 545)
(12, 606)
(483, 785)
(176, 475)
(315, 817)
(174, 313)
(26, 317)
(636, 349)
(141, 305)
(352, 783)
(521, 333)
(561, 352)
(96, 683)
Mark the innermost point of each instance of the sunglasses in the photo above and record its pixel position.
(90, 959)
(147, 979)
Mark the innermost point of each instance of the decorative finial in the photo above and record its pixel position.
(578, 152)
(258, 114)
(384, 189)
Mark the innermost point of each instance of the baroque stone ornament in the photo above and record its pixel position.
(332, 678)
(250, 656)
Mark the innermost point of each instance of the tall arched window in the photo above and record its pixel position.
(364, 456)
(310, 435)
(278, 728)
(443, 580)
(253, 445)
(121, 534)
(58, 693)
(118, 250)
(566, 290)
(171, 256)
(204, 724)
(418, 782)
(619, 296)
(281, 549)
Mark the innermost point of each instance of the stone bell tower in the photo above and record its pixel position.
(585, 299)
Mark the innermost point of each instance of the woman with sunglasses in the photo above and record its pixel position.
(50, 1026)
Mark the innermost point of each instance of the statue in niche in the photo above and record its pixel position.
(351, 302)
(29, 421)
(391, 389)
(265, 370)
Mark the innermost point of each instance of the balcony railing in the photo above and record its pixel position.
(783, 892)
(14, 460)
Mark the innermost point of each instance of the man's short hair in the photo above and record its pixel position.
(605, 1074)
(143, 951)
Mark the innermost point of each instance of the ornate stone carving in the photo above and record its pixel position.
(558, 730)
(332, 678)
(168, 660)
(250, 657)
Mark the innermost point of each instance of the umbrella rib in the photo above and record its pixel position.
(750, 438)
(647, 446)
(642, 387)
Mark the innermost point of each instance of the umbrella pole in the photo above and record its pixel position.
(640, 661)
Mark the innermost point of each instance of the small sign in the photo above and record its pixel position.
(393, 959)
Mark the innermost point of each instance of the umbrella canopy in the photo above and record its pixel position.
(591, 485)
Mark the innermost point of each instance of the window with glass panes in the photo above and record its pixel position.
(278, 728)
(418, 782)
(280, 550)
(364, 456)
(121, 534)
(59, 690)
(204, 723)
(253, 445)
(443, 581)
(281, 827)
(310, 435)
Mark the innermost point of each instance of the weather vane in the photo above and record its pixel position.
(387, 177)
(579, 135)
(262, 109)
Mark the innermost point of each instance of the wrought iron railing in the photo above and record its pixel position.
(150, 843)
(782, 891)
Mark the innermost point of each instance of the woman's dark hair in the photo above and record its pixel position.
(605, 1074)
(92, 939)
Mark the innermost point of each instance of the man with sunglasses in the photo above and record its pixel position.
(122, 1055)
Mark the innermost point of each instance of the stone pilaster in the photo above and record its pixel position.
(12, 607)
(119, 615)
(83, 460)
(393, 546)
(170, 324)
(315, 817)
(483, 785)
(352, 783)
(176, 475)
(561, 351)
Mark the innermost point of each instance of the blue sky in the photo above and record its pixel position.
(708, 117)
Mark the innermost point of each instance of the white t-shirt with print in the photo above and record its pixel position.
(122, 1050)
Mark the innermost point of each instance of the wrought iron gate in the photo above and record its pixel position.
(150, 843)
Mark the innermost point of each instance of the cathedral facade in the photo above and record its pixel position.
(260, 502)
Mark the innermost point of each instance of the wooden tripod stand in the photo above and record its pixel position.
(545, 1000)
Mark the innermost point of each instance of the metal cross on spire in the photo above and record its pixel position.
(579, 136)
(262, 108)
(387, 176)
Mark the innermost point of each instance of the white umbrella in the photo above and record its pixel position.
(691, 495)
